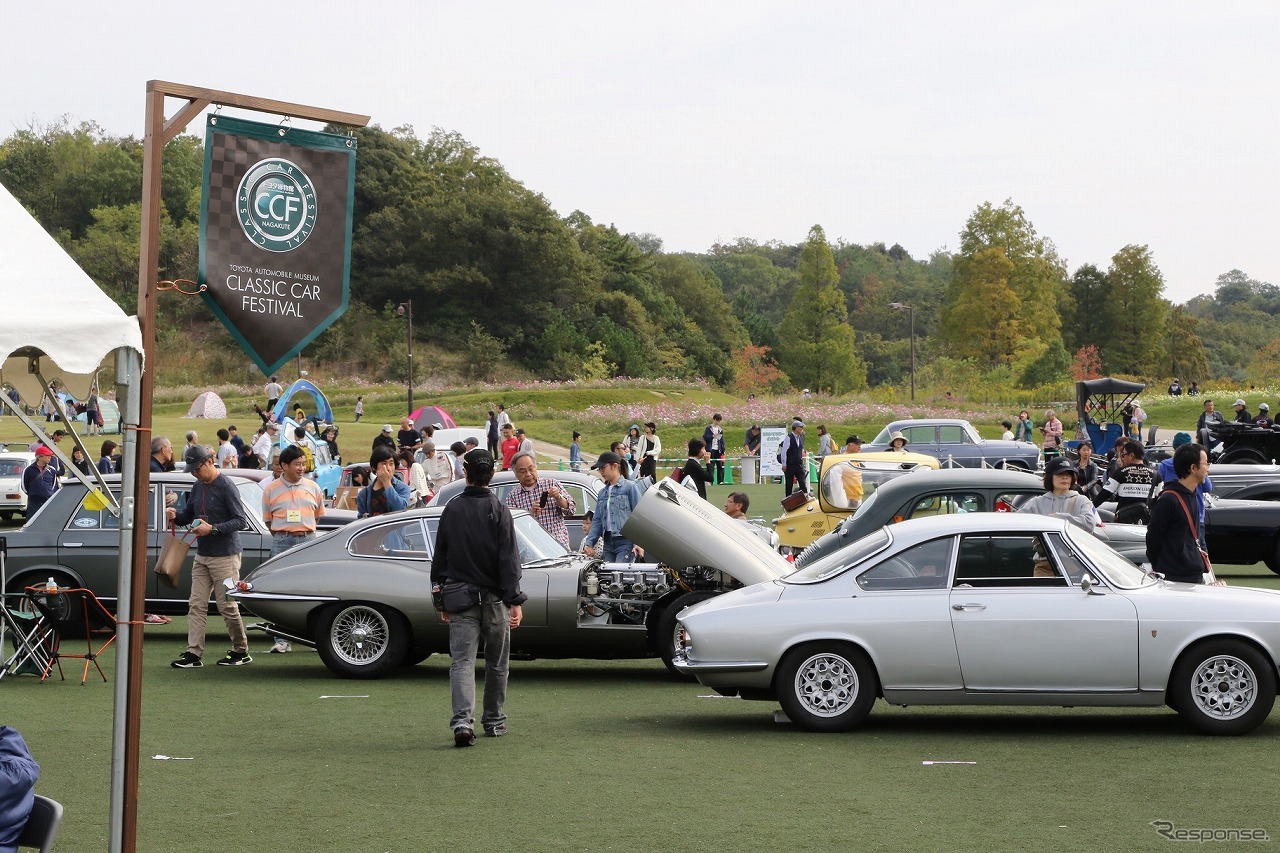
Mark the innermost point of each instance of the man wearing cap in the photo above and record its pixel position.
(853, 444)
(215, 513)
(1264, 416)
(476, 560)
(614, 504)
(384, 439)
(40, 480)
(543, 497)
(526, 443)
(795, 465)
(1242, 414)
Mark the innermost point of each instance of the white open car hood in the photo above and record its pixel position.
(676, 527)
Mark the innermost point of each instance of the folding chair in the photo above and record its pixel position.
(42, 825)
(32, 642)
(27, 631)
(71, 614)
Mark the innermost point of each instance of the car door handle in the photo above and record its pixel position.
(72, 545)
(968, 607)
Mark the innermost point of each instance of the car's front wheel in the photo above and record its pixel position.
(826, 687)
(667, 640)
(1244, 456)
(1223, 687)
(362, 640)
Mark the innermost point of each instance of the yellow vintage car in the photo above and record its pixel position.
(844, 481)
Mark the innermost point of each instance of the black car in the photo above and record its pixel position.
(77, 544)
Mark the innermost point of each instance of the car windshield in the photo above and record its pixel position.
(535, 544)
(1117, 570)
(883, 437)
(840, 560)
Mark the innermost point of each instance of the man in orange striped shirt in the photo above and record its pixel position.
(291, 503)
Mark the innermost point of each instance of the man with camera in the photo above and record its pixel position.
(543, 497)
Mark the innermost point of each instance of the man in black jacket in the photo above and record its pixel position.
(476, 554)
(215, 514)
(1172, 545)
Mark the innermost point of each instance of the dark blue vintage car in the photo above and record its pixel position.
(956, 444)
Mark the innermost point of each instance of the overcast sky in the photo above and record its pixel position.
(1110, 123)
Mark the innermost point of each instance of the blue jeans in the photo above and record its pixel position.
(616, 549)
(488, 620)
(281, 542)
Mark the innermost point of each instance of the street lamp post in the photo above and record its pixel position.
(911, 318)
(405, 310)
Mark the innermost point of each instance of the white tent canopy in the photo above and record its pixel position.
(52, 308)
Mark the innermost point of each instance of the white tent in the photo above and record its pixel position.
(56, 319)
(52, 308)
(207, 405)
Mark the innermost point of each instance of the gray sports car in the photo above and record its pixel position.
(986, 609)
(361, 595)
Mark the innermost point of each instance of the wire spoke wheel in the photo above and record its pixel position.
(359, 634)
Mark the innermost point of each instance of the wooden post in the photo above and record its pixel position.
(158, 133)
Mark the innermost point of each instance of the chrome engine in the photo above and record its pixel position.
(624, 593)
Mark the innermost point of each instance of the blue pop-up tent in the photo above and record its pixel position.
(321, 409)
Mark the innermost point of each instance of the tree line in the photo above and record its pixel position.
(497, 275)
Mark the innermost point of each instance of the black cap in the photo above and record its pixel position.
(1061, 465)
(477, 459)
(197, 455)
(606, 458)
(853, 439)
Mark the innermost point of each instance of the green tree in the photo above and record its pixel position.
(982, 320)
(1038, 274)
(1185, 351)
(1136, 313)
(817, 345)
(1088, 320)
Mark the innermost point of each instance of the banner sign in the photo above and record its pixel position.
(773, 446)
(275, 233)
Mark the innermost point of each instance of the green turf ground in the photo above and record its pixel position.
(614, 756)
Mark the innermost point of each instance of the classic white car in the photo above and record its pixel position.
(13, 497)
(980, 609)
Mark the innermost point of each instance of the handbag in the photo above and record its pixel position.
(457, 596)
(677, 474)
(1209, 578)
(173, 553)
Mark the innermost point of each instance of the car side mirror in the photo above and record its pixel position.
(1088, 584)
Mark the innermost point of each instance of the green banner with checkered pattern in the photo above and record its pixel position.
(275, 233)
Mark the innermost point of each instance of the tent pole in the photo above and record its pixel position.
(128, 366)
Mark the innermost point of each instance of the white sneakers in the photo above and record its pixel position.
(281, 647)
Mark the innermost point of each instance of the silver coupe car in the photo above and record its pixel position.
(986, 609)
(362, 595)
